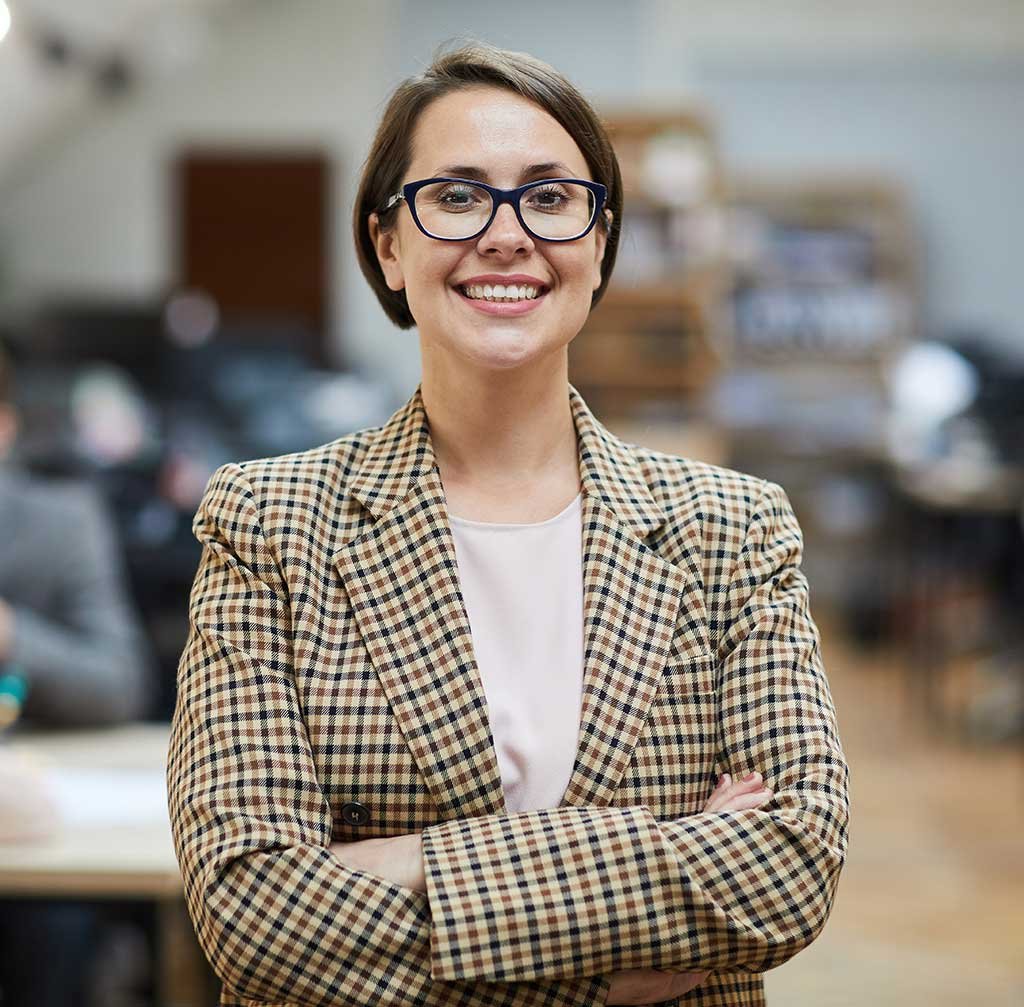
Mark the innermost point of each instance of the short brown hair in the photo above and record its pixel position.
(473, 65)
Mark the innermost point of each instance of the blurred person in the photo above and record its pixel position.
(458, 688)
(67, 624)
(69, 631)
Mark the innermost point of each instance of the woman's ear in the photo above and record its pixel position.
(389, 252)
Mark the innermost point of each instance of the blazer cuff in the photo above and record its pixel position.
(523, 896)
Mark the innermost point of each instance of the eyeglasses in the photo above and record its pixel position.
(457, 209)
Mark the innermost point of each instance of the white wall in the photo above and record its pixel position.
(947, 129)
(930, 91)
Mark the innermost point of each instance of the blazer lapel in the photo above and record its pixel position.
(401, 577)
(632, 599)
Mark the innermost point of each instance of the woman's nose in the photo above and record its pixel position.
(505, 234)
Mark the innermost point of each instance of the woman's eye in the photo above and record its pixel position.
(548, 199)
(456, 199)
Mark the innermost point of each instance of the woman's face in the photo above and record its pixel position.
(500, 138)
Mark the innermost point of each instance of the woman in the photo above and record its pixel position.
(458, 688)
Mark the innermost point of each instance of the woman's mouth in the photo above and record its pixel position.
(502, 299)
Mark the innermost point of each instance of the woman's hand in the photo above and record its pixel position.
(742, 795)
(650, 986)
(398, 859)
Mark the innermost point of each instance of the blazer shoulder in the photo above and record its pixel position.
(307, 475)
(711, 517)
(690, 489)
(295, 504)
(316, 466)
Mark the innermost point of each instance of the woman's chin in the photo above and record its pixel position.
(498, 346)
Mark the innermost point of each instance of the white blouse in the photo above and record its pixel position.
(523, 589)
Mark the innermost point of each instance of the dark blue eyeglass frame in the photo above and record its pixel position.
(499, 196)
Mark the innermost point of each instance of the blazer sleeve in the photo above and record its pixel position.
(278, 916)
(575, 890)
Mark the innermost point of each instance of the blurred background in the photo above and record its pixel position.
(817, 283)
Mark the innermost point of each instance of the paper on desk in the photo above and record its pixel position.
(91, 797)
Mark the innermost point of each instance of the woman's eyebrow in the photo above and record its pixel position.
(530, 171)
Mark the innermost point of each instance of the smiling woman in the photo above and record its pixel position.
(520, 211)
(459, 688)
(522, 92)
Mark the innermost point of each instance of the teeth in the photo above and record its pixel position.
(500, 292)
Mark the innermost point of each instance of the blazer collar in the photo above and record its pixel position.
(401, 579)
(403, 452)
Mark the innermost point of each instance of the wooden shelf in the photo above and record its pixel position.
(648, 345)
(824, 269)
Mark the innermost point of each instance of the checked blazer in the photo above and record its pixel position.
(328, 691)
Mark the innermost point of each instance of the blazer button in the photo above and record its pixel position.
(355, 814)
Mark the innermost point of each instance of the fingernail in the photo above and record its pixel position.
(750, 776)
(727, 777)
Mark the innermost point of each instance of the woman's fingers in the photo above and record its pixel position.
(739, 802)
(738, 795)
(744, 802)
(640, 986)
(648, 986)
(683, 982)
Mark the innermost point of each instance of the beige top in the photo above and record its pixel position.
(523, 589)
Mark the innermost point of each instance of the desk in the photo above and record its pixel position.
(98, 859)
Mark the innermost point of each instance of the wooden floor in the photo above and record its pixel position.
(930, 908)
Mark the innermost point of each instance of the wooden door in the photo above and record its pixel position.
(253, 232)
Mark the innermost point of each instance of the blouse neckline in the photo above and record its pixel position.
(468, 523)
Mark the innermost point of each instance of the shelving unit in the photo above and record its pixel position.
(823, 270)
(646, 352)
(824, 292)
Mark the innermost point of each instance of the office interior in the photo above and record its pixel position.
(817, 284)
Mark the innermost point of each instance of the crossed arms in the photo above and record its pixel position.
(532, 907)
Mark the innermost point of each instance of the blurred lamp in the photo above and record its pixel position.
(5, 19)
(930, 382)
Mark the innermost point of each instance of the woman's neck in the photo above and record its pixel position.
(505, 444)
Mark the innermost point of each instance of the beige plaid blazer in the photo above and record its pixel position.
(328, 691)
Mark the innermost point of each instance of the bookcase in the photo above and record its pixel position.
(647, 350)
(824, 292)
(823, 271)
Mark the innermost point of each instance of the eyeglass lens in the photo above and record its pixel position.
(461, 210)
